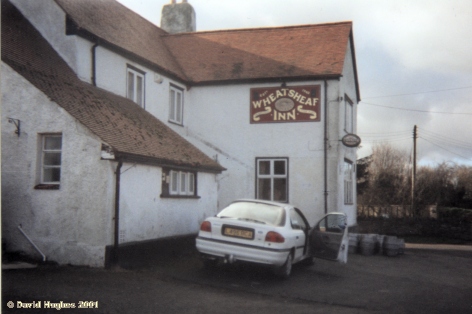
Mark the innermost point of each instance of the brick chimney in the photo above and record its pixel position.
(178, 17)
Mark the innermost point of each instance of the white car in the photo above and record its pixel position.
(271, 233)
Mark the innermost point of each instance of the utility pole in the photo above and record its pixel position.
(413, 175)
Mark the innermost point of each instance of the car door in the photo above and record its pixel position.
(299, 228)
(329, 238)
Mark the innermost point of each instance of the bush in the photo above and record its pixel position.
(447, 213)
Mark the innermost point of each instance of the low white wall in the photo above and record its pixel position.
(144, 215)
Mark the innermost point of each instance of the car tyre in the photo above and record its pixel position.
(285, 270)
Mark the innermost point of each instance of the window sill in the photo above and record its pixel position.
(47, 187)
(176, 123)
(180, 196)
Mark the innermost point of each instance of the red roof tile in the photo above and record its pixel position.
(122, 124)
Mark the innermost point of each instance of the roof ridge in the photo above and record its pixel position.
(264, 28)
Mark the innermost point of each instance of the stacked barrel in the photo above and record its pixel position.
(370, 244)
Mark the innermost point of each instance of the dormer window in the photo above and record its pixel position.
(135, 83)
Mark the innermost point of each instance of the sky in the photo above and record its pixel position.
(414, 63)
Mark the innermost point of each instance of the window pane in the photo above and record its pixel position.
(349, 116)
(52, 142)
(139, 90)
(280, 190)
(191, 183)
(264, 167)
(264, 189)
(172, 105)
(183, 182)
(51, 175)
(174, 180)
(178, 111)
(279, 167)
(131, 85)
(52, 159)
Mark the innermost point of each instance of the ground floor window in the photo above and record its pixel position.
(179, 183)
(272, 179)
(348, 182)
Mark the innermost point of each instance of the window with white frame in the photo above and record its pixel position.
(176, 105)
(348, 115)
(181, 183)
(135, 83)
(51, 158)
(272, 179)
(348, 182)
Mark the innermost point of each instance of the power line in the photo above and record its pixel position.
(449, 140)
(447, 143)
(445, 149)
(426, 92)
(382, 133)
(417, 110)
(373, 141)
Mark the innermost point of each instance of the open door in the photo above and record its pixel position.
(329, 238)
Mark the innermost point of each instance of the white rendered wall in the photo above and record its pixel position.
(217, 120)
(144, 215)
(348, 87)
(71, 225)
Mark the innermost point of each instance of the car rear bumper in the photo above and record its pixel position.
(236, 251)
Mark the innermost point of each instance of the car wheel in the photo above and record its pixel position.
(285, 270)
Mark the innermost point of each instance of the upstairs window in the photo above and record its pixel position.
(348, 115)
(135, 83)
(176, 105)
(51, 159)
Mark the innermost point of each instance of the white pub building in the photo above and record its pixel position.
(118, 132)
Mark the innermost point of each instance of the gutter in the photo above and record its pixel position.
(325, 131)
(117, 213)
(94, 63)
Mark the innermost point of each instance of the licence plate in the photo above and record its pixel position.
(238, 233)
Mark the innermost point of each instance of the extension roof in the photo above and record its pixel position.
(133, 133)
(216, 57)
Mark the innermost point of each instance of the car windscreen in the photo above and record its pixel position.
(256, 212)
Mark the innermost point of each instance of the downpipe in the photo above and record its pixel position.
(32, 243)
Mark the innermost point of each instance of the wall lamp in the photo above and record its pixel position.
(17, 123)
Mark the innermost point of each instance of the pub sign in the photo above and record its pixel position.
(285, 104)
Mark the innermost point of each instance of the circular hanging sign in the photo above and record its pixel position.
(351, 140)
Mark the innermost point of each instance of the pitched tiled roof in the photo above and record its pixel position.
(130, 130)
(264, 53)
(298, 52)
